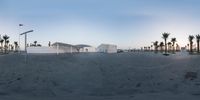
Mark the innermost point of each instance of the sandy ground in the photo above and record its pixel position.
(98, 76)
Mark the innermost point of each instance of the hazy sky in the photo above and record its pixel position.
(126, 23)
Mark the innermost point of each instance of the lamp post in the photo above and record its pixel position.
(25, 33)
(57, 48)
(20, 25)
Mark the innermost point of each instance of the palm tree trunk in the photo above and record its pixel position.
(165, 46)
(15, 47)
(161, 48)
(156, 49)
(5, 47)
(1, 48)
(173, 47)
(191, 47)
(198, 46)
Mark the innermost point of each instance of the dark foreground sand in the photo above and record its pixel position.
(97, 76)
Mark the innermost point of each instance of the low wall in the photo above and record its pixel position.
(43, 50)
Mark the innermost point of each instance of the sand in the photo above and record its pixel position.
(99, 76)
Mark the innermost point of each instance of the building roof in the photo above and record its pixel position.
(82, 45)
(107, 45)
(69, 45)
(63, 44)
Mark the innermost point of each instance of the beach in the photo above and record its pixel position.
(99, 76)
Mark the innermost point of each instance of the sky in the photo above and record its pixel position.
(126, 23)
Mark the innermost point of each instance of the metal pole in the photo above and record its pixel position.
(25, 48)
(71, 49)
(25, 43)
(20, 25)
(19, 44)
(25, 33)
(57, 49)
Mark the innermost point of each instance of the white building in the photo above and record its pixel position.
(107, 48)
(65, 48)
(86, 48)
(59, 47)
(47, 50)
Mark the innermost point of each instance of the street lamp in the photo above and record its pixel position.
(20, 25)
(25, 33)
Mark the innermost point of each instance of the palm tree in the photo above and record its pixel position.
(173, 40)
(35, 43)
(161, 46)
(149, 48)
(8, 46)
(191, 37)
(177, 47)
(7, 42)
(16, 45)
(198, 39)
(165, 36)
(5, 37)
(188, 47)
(1, 41)
(169, 46)
(145, 48)
(49, 44)
(11, 47)
(156, 46)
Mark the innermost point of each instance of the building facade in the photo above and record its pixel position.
(86, 48)
(65, 48)
(107, 48)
